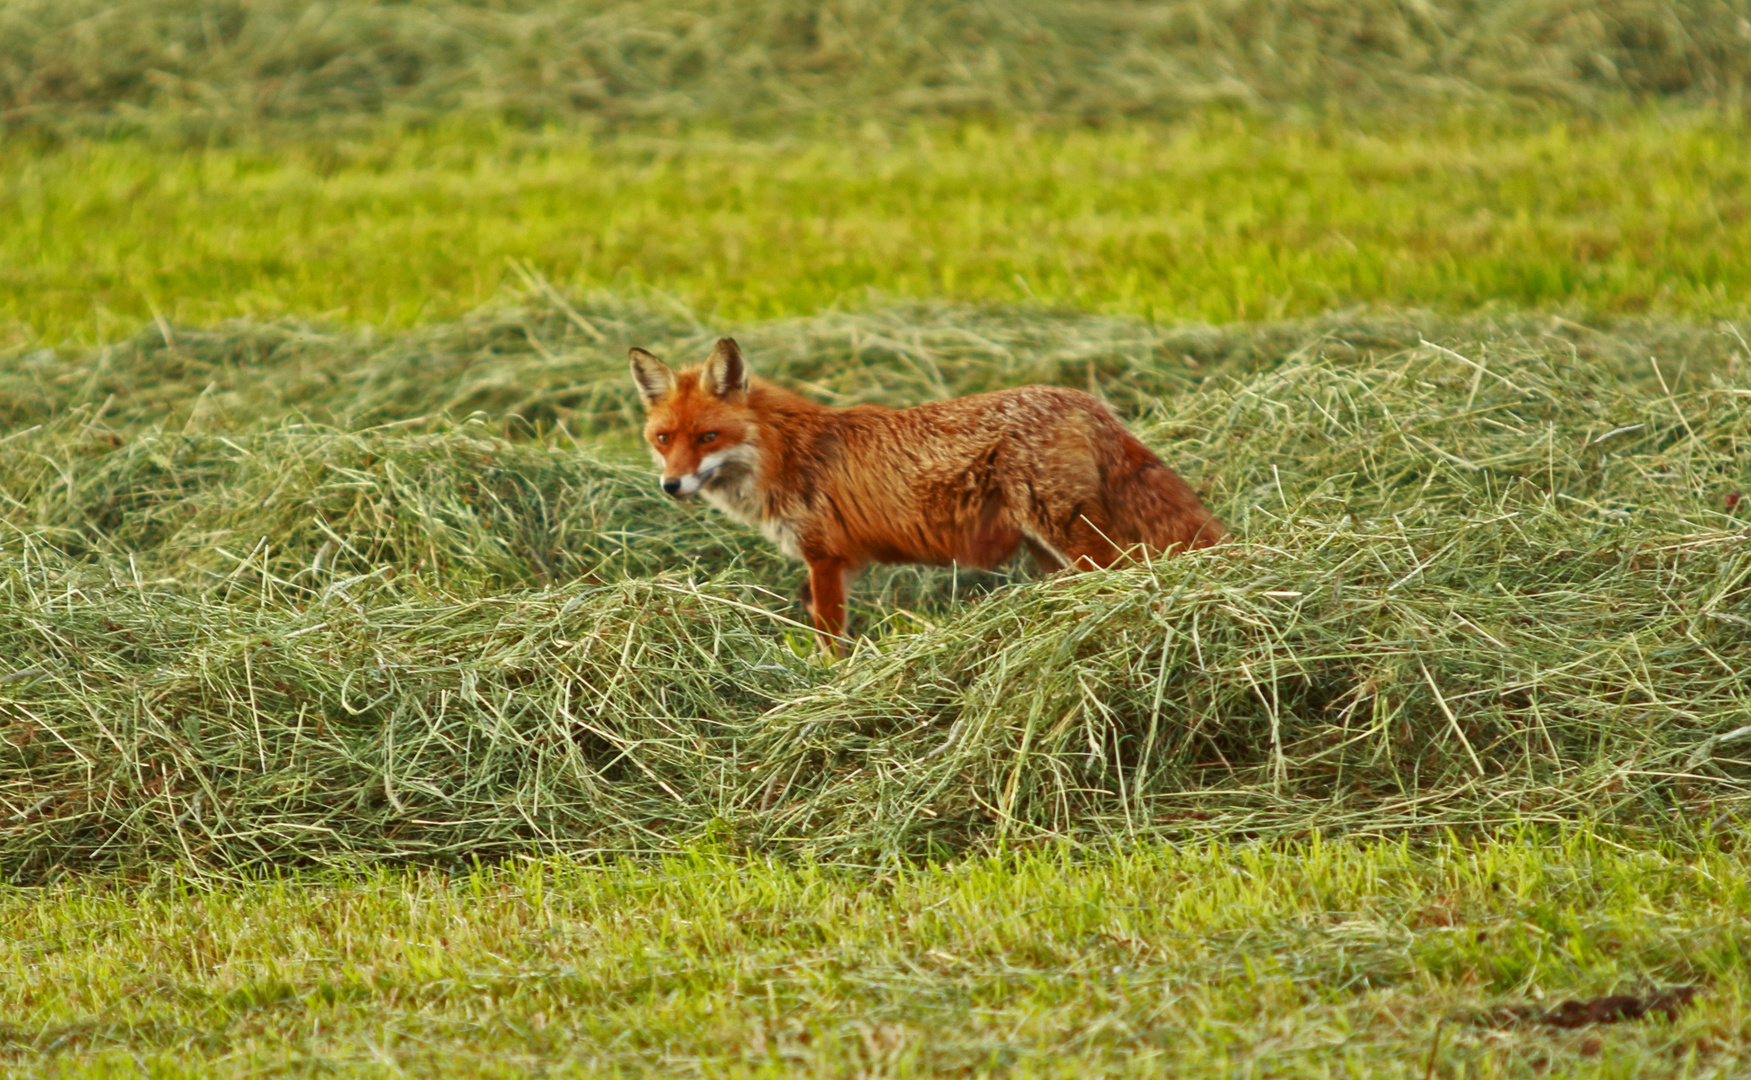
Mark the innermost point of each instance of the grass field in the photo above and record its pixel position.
(1311, 960)
(1219, 221)
(365, 710)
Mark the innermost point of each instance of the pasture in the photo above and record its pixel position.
(365, 708)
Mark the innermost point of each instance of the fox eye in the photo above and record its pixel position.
(663, 439)
(709, 436)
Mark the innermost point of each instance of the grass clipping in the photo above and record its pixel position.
(1488, 580)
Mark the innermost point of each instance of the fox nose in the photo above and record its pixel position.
(672, 487)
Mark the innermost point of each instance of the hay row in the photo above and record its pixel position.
(1487, 573)
(204, 69)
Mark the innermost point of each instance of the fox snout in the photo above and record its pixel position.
(682, 487)
(689, 484)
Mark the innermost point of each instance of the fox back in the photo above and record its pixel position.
(973, 480)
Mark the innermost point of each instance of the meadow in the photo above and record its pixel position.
(1226, 219)
(1307, 960)
(365, 708)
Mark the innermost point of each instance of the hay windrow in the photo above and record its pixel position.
(227, 69)
(1242, 692)
(1487, 572)
(143, 725)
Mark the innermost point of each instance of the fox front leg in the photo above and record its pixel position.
(824, 593)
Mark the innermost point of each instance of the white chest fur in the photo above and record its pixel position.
(735, 490)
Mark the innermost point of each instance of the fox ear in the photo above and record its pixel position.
(653, 377)
(725, 371)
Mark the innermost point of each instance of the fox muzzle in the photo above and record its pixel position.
(683, 486)
(704, 473)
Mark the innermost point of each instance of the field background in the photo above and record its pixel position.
(363, 708)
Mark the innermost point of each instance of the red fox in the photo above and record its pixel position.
(969, 481)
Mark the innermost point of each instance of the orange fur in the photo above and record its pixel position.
(969, 481)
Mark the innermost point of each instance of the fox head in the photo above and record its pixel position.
(698, 425)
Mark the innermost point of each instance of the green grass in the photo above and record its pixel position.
(1299, 960)
(1218, 221)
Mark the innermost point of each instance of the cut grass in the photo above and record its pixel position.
(206, 69)
(1487, 580)
(1217, 221)
(1315, 959)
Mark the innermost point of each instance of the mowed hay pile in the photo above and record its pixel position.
(261, 603)
(223, 67)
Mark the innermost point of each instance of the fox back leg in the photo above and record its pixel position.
(1083, 542)
(1060, 502)
(1101, 506)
